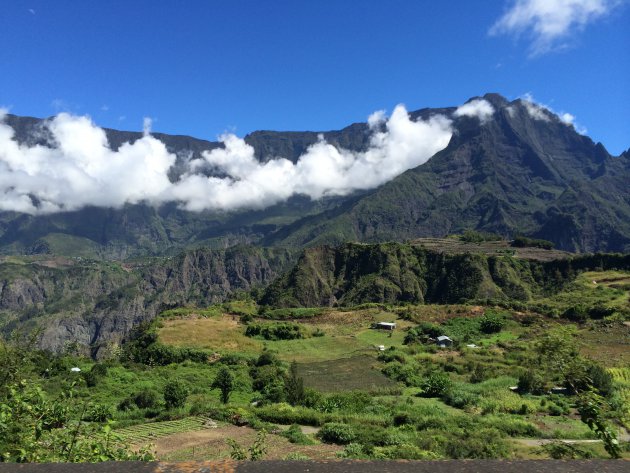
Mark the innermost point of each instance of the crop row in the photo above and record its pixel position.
(154, 430)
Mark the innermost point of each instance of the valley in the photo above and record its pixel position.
(322, 383)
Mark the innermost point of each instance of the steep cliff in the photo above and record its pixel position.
(92, 304)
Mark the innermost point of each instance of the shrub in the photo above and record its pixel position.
(422, 332)
(403, 452)
(482, 443)
(270, 331)
(435, 385)
(491, 323)
(354, 451)
(295, 313)
(285, 414)
(90, 378)
(473, 236)
(340, 434)
(600, 311)
(555, 409)
(577, 313)
(175, 394)
(146, 399)
(98, 413)
(531, 382)
(295, 435)
(522, 242)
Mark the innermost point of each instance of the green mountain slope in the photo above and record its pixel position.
(393, 273)
(513, 174)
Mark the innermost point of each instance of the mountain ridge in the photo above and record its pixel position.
(523, 171)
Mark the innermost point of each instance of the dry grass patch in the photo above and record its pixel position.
(217, 333)
(210, 444)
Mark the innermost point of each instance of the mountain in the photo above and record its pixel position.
(522, 171)
(514, 174)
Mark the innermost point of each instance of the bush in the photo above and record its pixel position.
(146, 399)
(175, 394)
(354, 451)
(600, 311)
(281, 331)
(435, 385)
(523, 242)
(531, 382)
(482, 443)
(491, 323)
(295, 313)
(422, 332)
(295, 435)
(98, 413)
(340, 434)
(577, 313)
(403, 452)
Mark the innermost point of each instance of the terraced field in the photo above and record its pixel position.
(146, 433)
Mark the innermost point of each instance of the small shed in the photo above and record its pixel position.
(385, 325)
(443, 341)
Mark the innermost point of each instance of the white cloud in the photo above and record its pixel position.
(147, 123)
(323, 170)
(480, 108)
(81, 169)
(536, 110)
(375, 120)
(550, 23)
(545, 113)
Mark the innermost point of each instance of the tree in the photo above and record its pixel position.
(175, 394)
(37, 428)
(224, 381)
(294, 386)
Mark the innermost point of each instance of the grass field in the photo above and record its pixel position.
(346, 334)
(609, 345)
(607, 288)
(222, 333)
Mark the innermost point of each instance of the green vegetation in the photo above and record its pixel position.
(523, 242)
(324, 382)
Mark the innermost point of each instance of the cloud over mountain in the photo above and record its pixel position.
(78, 168)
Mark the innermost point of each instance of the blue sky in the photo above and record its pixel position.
(203, 67)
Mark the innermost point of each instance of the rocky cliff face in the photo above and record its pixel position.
(93, 304)
(395, 273)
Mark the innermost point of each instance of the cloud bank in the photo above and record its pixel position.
(550, 23)
(80, 168)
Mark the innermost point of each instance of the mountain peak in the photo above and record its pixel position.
(495, 99)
